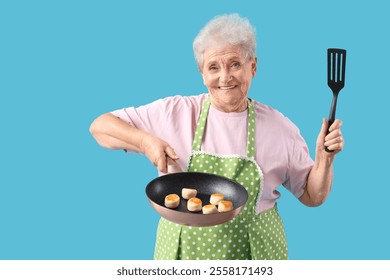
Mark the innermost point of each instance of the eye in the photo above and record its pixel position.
(236, 64)
(213, 67)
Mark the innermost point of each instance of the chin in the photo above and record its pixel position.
(228, 103)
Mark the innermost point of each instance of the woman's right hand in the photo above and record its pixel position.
(159, 152)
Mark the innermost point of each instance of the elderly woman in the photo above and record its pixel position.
(226, 133)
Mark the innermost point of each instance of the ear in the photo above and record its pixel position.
(254, 66)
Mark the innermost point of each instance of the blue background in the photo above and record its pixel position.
(63, 63)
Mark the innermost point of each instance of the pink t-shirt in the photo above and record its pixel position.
(281, 152)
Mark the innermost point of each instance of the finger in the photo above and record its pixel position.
(324, 127)
(334, 134)
(162, 164)
(334, 141)
(335, 125)
(171, 153)
(336, 147)
(322, 134)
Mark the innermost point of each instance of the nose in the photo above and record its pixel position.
(225, 76)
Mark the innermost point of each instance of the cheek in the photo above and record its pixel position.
(245, 83)
(244, 88)
(209, 80)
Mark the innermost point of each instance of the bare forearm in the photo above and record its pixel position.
(114, 133)
(320, 178)
(319, 183)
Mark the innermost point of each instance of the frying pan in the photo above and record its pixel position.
(206, 184)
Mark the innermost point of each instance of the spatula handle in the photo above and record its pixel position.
(332, 116)
(330, 122)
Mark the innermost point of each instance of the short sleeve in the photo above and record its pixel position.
(150, 117)
(300, 164)
(172, 119)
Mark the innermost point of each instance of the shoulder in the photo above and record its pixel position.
(178, 103)
(182, 100)
(178, 109)
(274, 121)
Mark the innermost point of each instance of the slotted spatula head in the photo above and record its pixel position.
(336, 69)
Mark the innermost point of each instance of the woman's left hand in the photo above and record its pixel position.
(334, 141)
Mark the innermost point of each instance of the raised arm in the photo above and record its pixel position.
(320, 178)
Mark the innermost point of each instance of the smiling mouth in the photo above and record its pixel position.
(226, 87)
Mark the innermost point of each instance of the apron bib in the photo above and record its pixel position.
(248, 235)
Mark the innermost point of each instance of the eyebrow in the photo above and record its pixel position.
(211, 62)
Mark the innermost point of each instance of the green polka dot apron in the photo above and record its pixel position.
(248, 235)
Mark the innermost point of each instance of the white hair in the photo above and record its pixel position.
(226, 30)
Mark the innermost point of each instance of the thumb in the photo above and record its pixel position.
(322, 134)
(171, 153)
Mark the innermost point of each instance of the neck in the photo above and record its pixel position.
(230, 108)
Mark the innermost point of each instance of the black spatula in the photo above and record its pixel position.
(336, 79)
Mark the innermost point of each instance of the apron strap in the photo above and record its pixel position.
(199, 131)
(201, 125)
(251, 136)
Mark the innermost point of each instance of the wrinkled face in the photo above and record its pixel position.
(228, 75)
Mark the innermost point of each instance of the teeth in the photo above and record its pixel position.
(229, 87)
